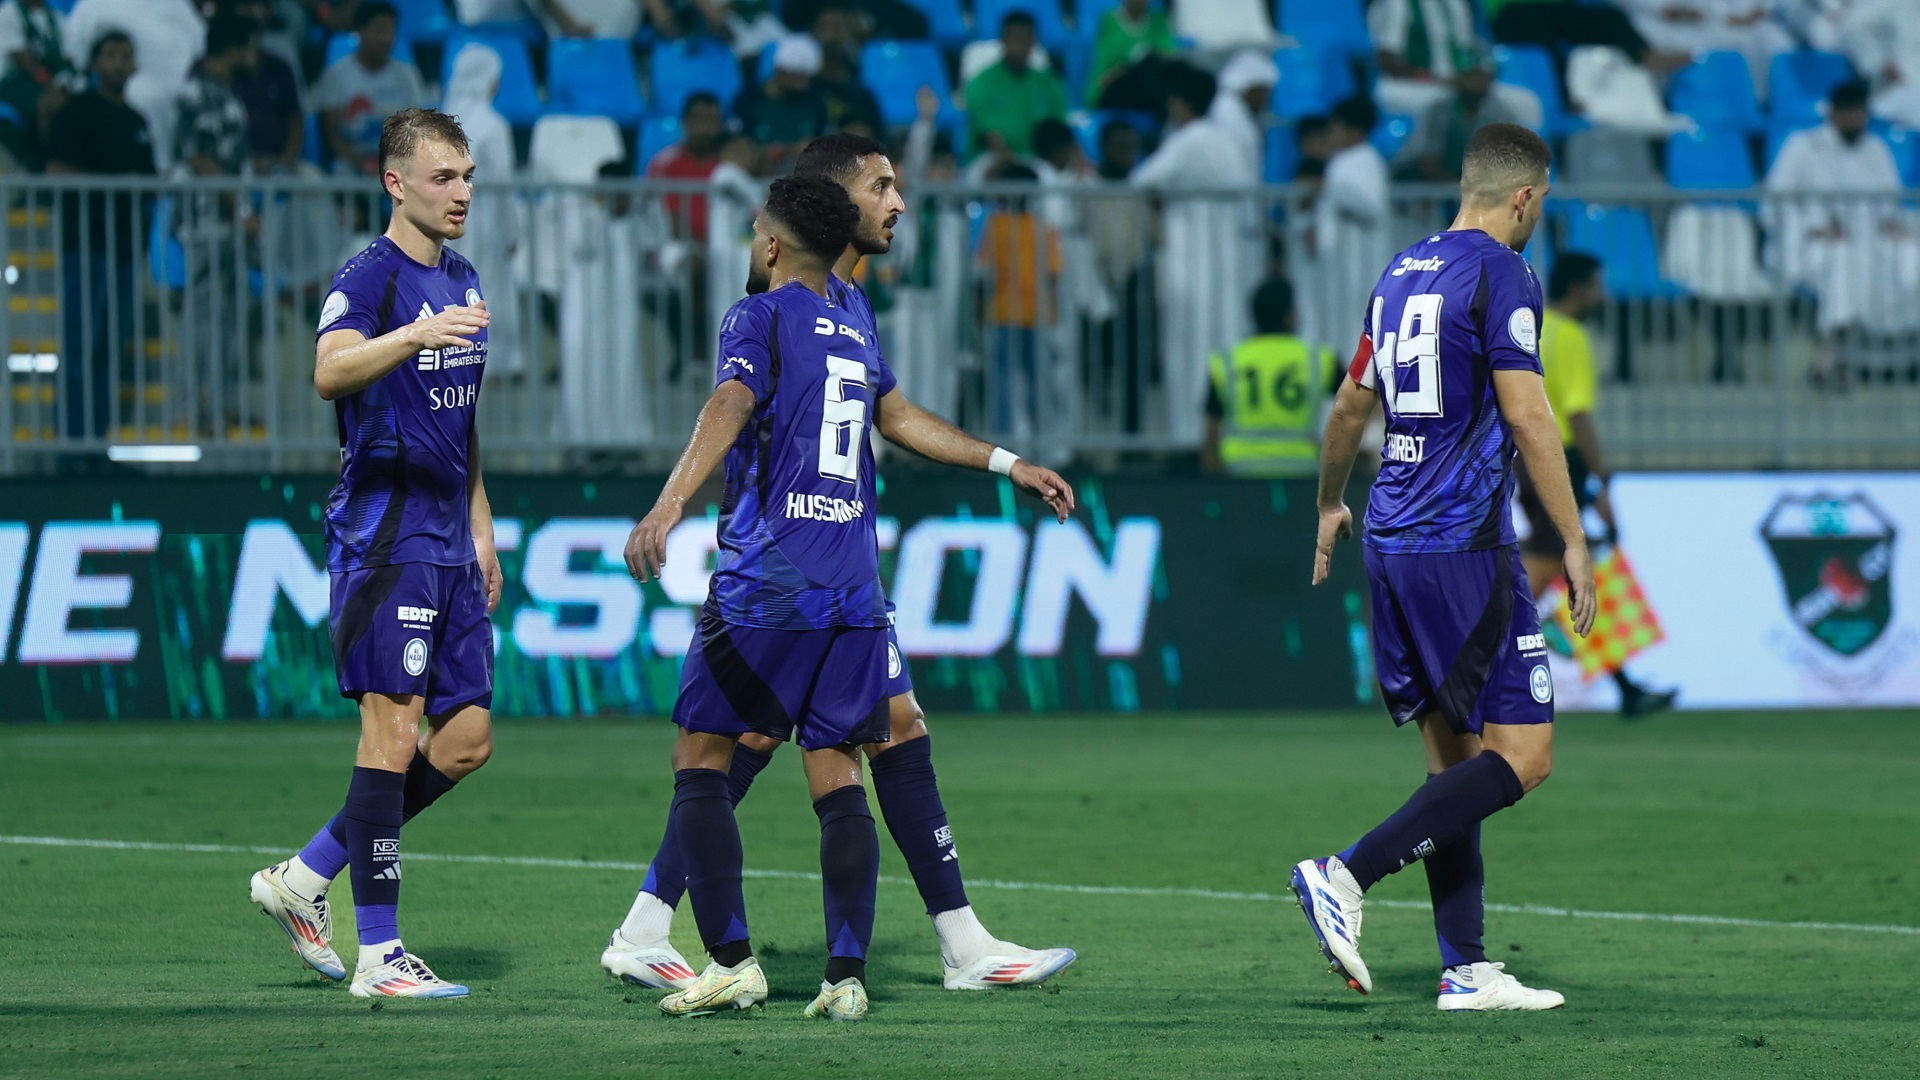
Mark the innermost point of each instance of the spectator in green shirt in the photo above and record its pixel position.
(1126, 35)
(1006, 100)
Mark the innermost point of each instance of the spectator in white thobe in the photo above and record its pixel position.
(1847, 238)
(1882, 38)
(497, 218)
(1202, 299)
(1350, 238)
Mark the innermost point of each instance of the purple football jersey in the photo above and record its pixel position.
(1445, 315)
(402, 495)
(798, 548)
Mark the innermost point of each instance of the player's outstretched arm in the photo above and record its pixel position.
(480, 518)
(911, 427)
(1352, 407)
(347, 361)
(720, 422)
(1522, 396)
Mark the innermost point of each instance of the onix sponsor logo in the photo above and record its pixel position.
(1417, 266)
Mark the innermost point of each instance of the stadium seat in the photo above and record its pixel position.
(517, 100)
(342, 45)
(1622, 238)
(1390, 134)
(1282, 155)
(425, 21)
(1716, 90)
(1905, 144)
(1327, 27)
(593, 77)
(1798, 84)
(166, 256)
(1710, 158)
(1053, 32)
(656, 134)
(896, 70)
(1086, 15)
(1532, 67)
(945, 21)
(571, 149)
(1307, 86)
(682, 67)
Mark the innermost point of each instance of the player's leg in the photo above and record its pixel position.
(1456, 874)
(640, 950)
(704, 828)
(849, 878)
(909, 796)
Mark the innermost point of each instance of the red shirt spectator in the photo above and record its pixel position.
(702, 130)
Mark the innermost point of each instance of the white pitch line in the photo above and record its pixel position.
(988, 883)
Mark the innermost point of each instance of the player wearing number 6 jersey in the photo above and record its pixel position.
(792, 639)
(1450, 346)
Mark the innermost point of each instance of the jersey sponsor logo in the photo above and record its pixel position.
(1531, 644)
(415, 656)
(1540, 682)
(826, 327)
(429, 358)
(1411, 449)
(1410, 265)
(740, 362)
(1523, 331)
(409, 614)
(823, 508)
(452, 397)
(334, 309)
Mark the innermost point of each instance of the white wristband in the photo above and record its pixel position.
(1001, 461)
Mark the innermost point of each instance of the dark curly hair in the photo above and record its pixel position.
(817, 210)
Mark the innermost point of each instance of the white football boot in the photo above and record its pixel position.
(1007, 964)
(308, 924)
(1485, 987)
(1331, 899)
(844, 1001)
(719, 989)
(399, 974)
(658, 966)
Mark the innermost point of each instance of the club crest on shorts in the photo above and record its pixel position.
(893, 661)
(415, 656)
(1540, 681)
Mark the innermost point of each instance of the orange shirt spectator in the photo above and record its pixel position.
(1020, 256)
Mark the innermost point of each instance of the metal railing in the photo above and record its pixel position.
(177, 318)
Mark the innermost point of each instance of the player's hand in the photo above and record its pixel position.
(647, 544)
(452, 327)
(1580, 599)
(1046, 485)
(1336, 523)
(489, 571)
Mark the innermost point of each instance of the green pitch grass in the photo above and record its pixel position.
(152, 963)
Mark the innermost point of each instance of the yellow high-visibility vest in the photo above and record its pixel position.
(1271, 386)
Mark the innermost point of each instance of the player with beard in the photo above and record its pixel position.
(901, 767)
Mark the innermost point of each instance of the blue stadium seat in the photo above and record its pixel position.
(594, 77)
(166, 256)
(1532, 67)
(1309, 84)
(1717, 91)
(1905, 144)
(896, 70)
(1327, 27)
(517, 99)
(1799, 82)
(1047, 20)
(656, 134)
(424, 20)
(1086, 15)
(945, 22)
(343, 44)
(1282, 154)
(1390, 134)
(689, 64)
(1622, 238)
(1710, 158)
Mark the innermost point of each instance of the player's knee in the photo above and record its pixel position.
(468, 758)
(906, 720)
(758, 743)
(1532, 768)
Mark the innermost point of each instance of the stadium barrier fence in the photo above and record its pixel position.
(171, 322)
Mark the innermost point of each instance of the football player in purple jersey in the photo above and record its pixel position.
(1450, 346)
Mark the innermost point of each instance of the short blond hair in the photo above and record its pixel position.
(405, 131)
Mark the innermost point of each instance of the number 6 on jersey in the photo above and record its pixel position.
(843, 420)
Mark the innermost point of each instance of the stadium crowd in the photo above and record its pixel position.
(1149, 110)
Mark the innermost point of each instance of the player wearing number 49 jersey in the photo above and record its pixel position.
(402, 344)
(1450, 348)
(792, 641)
